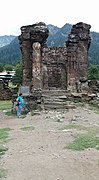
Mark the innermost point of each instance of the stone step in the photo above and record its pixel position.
(54, 92)
(55, 103)
(49, 96)
(48, 107)
(53, 100)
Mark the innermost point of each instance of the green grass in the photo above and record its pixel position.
(28, 128)
(94, 108)
(87, 140)
(10, 113)
(7, 104)
(4, 136)
(98, 163)
(3, 173)
(3, 150)
(83, 141)
(4, 133)
(75, 126)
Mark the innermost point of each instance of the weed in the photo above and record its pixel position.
(28, 128)
(3, 150)
(3, 173)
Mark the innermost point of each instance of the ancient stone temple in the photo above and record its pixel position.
(61, 67)
(58, 68)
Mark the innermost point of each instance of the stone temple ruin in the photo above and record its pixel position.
(53, 71)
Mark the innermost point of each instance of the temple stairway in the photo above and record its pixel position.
(56, 99)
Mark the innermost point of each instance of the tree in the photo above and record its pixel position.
(17, 78)
(93, 72)
(1, 68)
(8, 67)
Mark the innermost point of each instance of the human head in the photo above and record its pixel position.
(20, 94)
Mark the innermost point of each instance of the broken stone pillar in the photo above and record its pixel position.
(77, 54)
(36, 65)
(32, 40)
(25, 46)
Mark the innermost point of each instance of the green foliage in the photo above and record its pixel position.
(28, 128)
(84, 141)
(5, 104)
(1, 67)
(93, 72)
(11, 53)
(10, 113)
(3, 173)
(94, 48)
(17, 79)
(4, 134)
(8, 67)
(2, 150)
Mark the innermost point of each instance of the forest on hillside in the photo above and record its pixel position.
(11, 54)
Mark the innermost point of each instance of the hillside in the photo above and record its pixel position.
(11, 54)
(5, 40)
(61, 35)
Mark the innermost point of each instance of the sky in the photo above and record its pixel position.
(17, 13)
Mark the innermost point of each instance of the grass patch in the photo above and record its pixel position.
(3, 173)
(4, 132)
(94, 108)
(3, 150)
(84, 141)
(98, 162)
(75, 126)
(5, 104)
(10, 113)
(90, 139)
(28, 128)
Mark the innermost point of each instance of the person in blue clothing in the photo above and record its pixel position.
(20, 105)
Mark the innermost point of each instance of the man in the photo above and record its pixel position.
(20, 102)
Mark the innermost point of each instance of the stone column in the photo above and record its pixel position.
(77, 54)
(35, 35)
(36, 66)
(26, 63)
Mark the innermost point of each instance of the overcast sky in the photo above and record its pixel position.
(17, 13)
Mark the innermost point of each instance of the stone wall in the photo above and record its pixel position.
(5, 91)
(32, 40)
(54, 67)
(77, 54)
(54, 71)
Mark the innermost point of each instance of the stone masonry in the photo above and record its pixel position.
(58, 68)
(54, 67)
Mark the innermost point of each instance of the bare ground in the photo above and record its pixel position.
(39, 154)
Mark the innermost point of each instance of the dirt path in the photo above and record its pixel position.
(39, 154)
